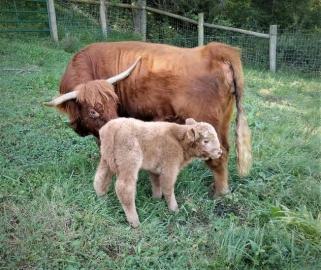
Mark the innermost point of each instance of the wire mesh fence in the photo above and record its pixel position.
(120, 20)
(255, 50)
(77, 19)
(162, 29)
(82, 19)
(296, 50)
(299, 51)
(23, 16)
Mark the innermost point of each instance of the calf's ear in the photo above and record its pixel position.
(190, 121)
(192, 134)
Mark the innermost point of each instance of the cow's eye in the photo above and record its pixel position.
(206, 141)
(93, 113)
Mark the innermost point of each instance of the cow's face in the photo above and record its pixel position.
(96, 104)
(92, 118)
(91, 104)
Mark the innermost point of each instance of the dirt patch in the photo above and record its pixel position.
(115, 251)
(223, 209)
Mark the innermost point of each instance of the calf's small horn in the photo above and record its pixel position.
(124, 74)
(73, 94)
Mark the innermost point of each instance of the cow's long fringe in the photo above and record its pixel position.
(96, 92)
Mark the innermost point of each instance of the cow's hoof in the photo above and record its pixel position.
(218, 193)
(221, 193)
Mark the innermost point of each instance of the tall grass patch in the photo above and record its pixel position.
(51, 217)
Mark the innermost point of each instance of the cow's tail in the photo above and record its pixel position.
(243, 132)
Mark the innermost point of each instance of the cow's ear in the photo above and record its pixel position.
(192, 134)
(190, 121)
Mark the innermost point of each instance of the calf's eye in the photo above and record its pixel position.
(205, 141)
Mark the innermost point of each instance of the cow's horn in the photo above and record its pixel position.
(61, 99)
(124, 74)
(73, 94)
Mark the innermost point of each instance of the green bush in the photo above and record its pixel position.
(70, 43)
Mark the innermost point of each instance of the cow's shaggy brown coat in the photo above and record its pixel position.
(162, 148)
(169, 83)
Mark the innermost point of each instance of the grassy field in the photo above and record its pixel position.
(50, 217)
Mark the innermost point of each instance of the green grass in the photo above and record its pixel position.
(50, 217)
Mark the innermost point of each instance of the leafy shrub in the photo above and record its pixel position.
(70, 43)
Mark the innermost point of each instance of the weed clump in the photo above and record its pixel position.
(70, 43)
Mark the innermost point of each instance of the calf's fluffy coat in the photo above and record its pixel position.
(128, 145)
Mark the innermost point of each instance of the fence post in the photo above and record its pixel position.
(273, 39)
(52, 20)
(200, 29)
(140, 19)
(103, 21)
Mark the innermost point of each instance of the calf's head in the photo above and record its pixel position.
(203, 139)
(91, 104)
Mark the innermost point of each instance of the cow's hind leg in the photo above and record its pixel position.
(103, 178)
(220, 166)
(220, 171)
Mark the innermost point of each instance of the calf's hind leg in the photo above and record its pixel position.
(126, 193)
(167, 182)
(156, 186)
(128, 167)
(103, 178)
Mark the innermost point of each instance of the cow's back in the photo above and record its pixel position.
(172, 83)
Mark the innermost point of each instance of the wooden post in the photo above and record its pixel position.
(140, 19)
(103, 21)
(52, 20)
(200, 29)
(273, 40)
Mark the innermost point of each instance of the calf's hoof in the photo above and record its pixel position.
(175, 211)
(100, 193)
(134, 223)
(174, 208)
(157, 195)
